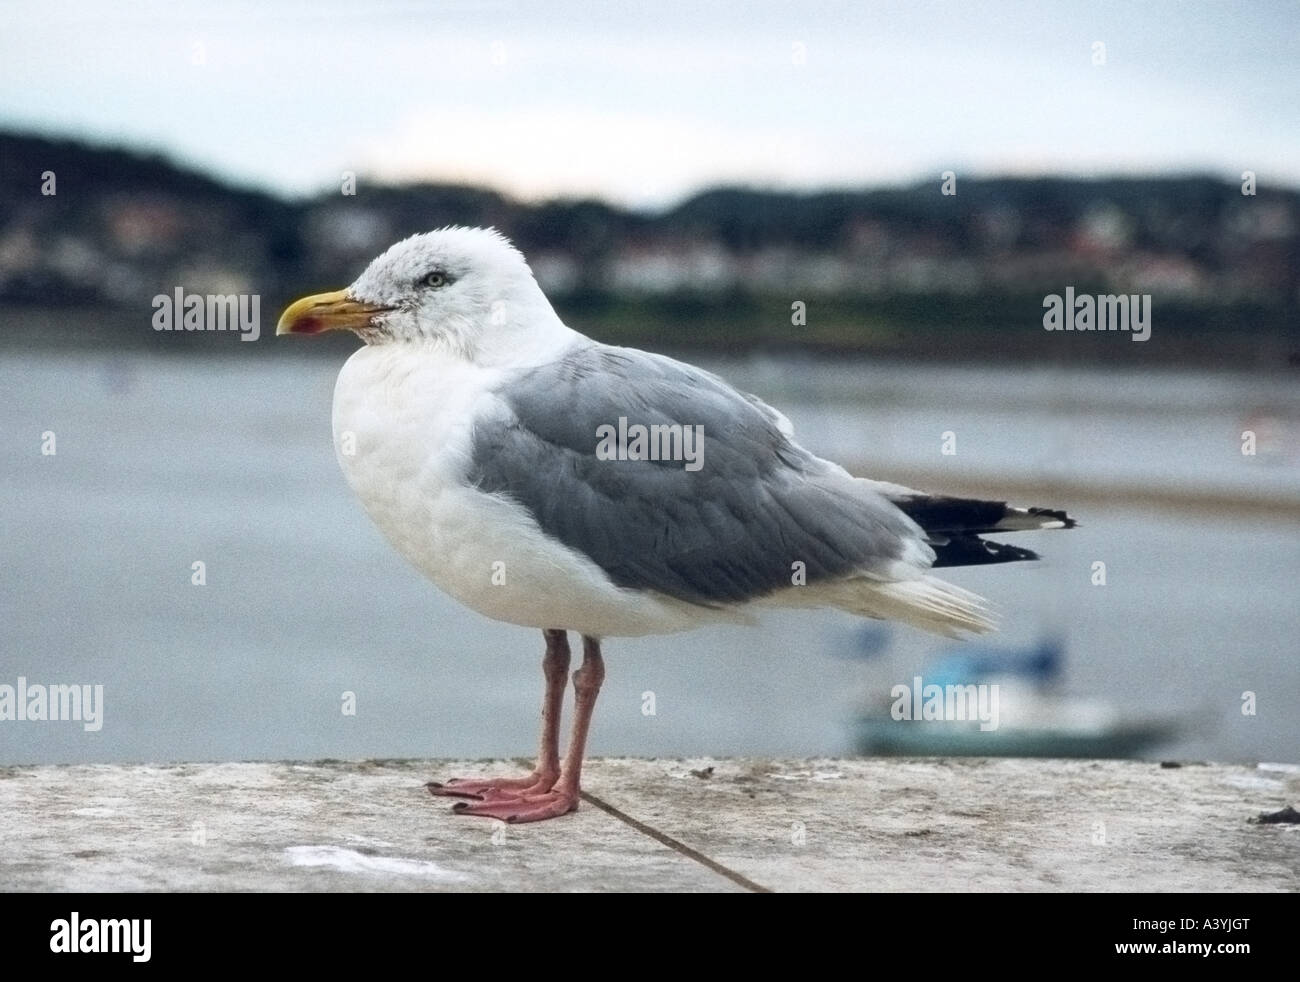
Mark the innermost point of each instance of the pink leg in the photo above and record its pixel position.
(555, 668)
(562, 798)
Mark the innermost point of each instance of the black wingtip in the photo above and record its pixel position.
(1053, 515)
(944, 514)
(971, 550)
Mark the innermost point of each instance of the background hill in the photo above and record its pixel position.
(906, 271)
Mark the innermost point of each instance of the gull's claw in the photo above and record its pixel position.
(518, 809)
(488, 788)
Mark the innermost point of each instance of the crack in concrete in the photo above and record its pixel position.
(675, 844)
(664, 839)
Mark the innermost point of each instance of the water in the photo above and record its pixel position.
(165, 461)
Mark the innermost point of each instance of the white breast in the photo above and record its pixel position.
(403, 434)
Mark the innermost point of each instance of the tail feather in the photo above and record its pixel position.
(926, 602)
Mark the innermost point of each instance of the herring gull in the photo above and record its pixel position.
(547, 480)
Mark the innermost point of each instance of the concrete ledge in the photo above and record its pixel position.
(730, 825)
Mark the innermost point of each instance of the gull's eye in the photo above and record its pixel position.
(435, 279)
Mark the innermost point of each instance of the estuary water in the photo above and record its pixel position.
(162, 462)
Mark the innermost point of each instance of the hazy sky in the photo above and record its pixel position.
(644, 102)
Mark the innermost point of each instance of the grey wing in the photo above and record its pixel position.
(727, 532)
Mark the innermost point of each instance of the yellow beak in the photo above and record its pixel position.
(327, 312)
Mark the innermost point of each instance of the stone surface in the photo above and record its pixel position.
(728, 825)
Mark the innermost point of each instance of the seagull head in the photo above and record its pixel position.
(467, 289)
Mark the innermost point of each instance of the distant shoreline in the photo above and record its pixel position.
(912, 272)
(1189, 342)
